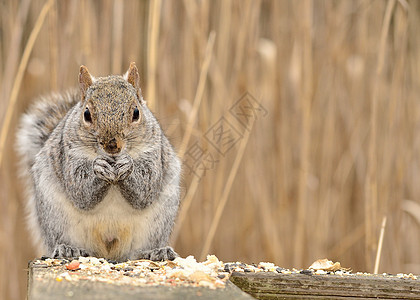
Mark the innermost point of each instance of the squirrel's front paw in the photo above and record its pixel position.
(66, 251)
(104, 169)
(123, 167)
(158, 254)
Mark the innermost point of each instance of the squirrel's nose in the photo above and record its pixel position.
(112, 146)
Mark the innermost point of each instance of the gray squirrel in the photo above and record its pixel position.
(103, 180)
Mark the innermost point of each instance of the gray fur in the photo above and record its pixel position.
(84, 199)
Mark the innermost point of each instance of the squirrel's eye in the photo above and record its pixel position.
(136, 114)
(87, 116)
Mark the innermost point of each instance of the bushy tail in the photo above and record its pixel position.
(35, 127)
(39, 121)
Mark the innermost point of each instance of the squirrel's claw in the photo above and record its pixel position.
(157, 254)
(66, 251)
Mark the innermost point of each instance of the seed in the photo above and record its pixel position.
(74, 265)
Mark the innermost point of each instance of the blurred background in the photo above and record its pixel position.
(296, 120)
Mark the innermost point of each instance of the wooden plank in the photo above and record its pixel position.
(268, 285)
(43, 286)
(52, 280)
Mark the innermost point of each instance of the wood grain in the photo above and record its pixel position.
(301, 286)
(43, 286)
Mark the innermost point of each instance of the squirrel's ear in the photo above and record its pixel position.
(85, 80)
(133, 77)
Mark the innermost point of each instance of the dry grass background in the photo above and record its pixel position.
(337, 151)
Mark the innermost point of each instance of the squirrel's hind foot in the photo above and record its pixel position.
(66, 251)
(157, 254)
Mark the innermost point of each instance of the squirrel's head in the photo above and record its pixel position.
(111, 107)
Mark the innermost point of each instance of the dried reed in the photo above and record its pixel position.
(19, 76)
(154, 21)
(371, 185)
(380, 243)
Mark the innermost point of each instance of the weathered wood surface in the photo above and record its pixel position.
(301, 286)
(262, 285)
(40, 288)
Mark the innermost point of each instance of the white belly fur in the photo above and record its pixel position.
(112, 229)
